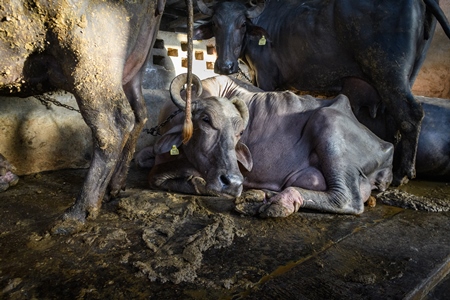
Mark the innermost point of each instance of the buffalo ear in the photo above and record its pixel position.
(203, 32)
(255, 33)
(244, 156)
(168, 139)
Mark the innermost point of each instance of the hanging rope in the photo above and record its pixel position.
(188, 127)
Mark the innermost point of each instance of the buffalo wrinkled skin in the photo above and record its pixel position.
(306, 152)
(205, 165)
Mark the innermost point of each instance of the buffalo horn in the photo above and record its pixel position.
(242, 108)
(177, 85)
(204, 9)
(255, 10)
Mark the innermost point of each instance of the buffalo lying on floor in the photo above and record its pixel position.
(312, 153)
(317, 45)
(94, 50)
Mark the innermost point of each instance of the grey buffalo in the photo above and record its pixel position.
(305, 152)
(94, 50)
(317, 45)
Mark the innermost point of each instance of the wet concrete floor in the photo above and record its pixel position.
(157, 245)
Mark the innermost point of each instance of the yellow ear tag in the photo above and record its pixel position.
(174, 150)
(262, 41)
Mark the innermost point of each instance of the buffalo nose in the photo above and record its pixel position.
(228, 65)
(230, 180)
(225, 68)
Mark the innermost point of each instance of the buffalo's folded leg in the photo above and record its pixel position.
(265, 203)
(255, 202)
(8, 180)
(249, 202)
(282, 205)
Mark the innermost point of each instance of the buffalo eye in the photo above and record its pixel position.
(206, 119)
(241, 133)
(244, 25)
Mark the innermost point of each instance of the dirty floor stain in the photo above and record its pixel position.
(158, 245)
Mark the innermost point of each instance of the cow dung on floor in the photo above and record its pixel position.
(177, 231)
(159, 245)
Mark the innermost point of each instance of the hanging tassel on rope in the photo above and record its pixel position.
(188, 127)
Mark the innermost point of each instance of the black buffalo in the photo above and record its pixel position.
(96, 51)
(316, 45)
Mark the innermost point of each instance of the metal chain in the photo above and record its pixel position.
(155, 130)
(243, 74)
(46, 100)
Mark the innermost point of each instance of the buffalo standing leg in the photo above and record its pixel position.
(133, 91)
(389, 69)
(109, 138)
(106, 110)
(407, 114)
(111, 121)
(403, 120)
(136, 99)
(94, 75)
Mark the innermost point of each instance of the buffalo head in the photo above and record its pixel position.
(214, 149)
(231, 25)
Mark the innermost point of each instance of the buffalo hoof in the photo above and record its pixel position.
(282, 204)
(250, 202)
(115, 187)
(72, 221)
(7, 180)
(253, 202)
(399, 180)
(66, 227)
(275, 210)
(403, 173)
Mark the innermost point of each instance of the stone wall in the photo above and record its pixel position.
(34, 138)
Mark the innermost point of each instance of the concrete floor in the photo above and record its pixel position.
(386, 253)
